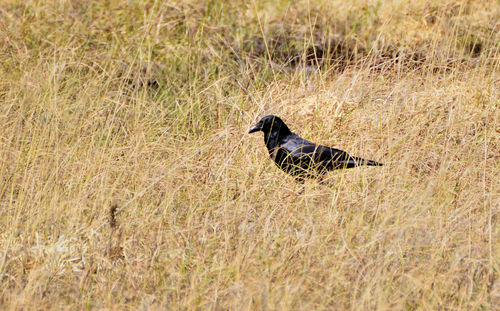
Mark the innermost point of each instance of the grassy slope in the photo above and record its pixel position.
(145, 107)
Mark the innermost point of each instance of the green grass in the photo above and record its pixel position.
(128, 179)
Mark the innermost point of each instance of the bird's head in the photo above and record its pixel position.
(270, 124)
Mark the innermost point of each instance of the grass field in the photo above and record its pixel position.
(128, 179)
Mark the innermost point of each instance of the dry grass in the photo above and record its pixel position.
(128, 180)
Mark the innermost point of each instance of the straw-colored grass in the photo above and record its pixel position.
(128, 179)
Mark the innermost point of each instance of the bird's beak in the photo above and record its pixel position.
(254, 129)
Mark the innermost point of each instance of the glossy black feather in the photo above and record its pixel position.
(300, 157)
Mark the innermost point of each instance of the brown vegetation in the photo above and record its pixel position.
(128, 180)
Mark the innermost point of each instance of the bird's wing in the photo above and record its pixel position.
(301, 148)
(325, 153)
(335, 159)
(322, 157)
(298, 147)
(306, 154)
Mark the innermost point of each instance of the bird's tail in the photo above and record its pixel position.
(355, 161)
(372, 163)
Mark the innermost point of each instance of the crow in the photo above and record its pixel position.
(300, 157)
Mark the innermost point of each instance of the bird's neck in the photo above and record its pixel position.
(273, 138)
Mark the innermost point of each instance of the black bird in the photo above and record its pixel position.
(299, 157)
